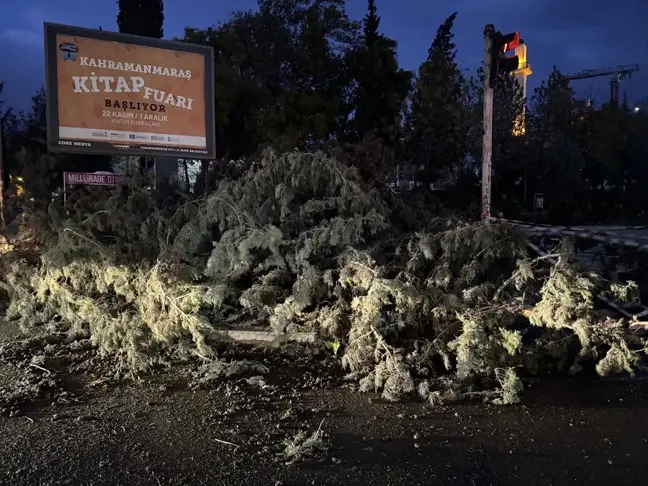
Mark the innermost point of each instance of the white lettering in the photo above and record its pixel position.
(170, 100)
(93, 81)
(137, 83)
(80, 84)
(133, 67)
(158, 95)
(106, 80)
(122, 85)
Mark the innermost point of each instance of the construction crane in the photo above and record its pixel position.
(618, 74)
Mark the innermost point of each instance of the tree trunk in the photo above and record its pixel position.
(186, 171)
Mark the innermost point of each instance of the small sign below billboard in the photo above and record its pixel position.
(92, 179)
(538, 199)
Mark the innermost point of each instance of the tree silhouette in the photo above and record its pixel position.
(141, 17)
(382, 87)
(438, 121)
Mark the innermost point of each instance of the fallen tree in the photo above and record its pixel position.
(299, 243)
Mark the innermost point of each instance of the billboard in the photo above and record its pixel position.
(118, 94)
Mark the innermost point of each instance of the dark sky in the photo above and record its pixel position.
(572, 34)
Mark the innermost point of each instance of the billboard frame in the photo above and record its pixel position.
(51, 90)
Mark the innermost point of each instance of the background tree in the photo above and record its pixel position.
(309, 100)
(7, 122)
(381, 86)
(301, 74)
(438, 122)
(145, 18)
(3, 112)
(509, 149)
(42, 172)
(635, 170)
(556, 168)
(281, 76)
(141, 17)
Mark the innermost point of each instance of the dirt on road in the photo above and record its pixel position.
(64, 423)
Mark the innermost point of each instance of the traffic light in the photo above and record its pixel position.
(505, 43)
(501, 64)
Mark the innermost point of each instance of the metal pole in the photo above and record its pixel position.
(397, 181)
(155, 172)
(487, 150)
(65, 190)
(525, 189)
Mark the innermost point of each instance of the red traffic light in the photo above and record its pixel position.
(503, 43)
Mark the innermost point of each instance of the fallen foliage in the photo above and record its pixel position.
(306, 446)
(217, 370)
(299, 243)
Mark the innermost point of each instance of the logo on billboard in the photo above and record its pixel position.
(117, 135)
(157, 137)
(100, 134)
(68, 51)
(133, 136)
(173, 139)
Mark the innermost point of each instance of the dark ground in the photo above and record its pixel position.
(87, 430)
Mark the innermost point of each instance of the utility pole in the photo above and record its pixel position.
(496, 64)
(2, 208)
(487, 149)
